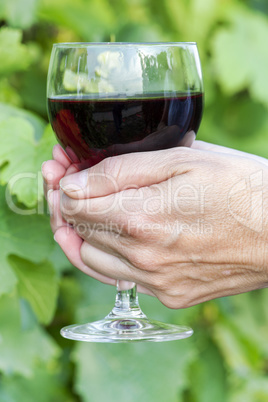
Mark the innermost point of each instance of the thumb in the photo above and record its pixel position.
(127, 171)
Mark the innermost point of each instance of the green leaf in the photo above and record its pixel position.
(37, 284)
(36, 122)
(233, 348)
(250, 320)
(21, 157)
(8, 279)
(20, 14)
(32, 87)
(20, 349)
(15, 56)
(27, 236)
(254, 388)
(44, 386)
(59, 260)
(238, 55)
(8, 94)
(89, 20)
(133, 372)
(209, 366)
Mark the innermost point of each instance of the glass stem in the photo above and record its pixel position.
(126, 303)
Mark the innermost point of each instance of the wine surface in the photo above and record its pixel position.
(97, 128)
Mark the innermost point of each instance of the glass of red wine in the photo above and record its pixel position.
(106, 99)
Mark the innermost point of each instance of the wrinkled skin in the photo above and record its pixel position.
(186, 224)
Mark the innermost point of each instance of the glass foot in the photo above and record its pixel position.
(116, 329)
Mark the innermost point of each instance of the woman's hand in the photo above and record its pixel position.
(53, 171)
(187, 225)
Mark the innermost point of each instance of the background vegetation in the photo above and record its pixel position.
(227, 358)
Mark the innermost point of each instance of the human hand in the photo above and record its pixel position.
(176, 221)
(53, 171)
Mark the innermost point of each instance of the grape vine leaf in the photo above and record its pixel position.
(78, 15)
(8, 94)
(207, 366)
(21, 348)
(249, 322)
(15, 56)
(36, 122)
(37, 284)
(233, 347)
(139, 371)
(46, 385)
(238, 55)
(21, 157)
(254, 387)
(20, 14)
(27, 236)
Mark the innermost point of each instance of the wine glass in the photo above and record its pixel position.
(106, 99)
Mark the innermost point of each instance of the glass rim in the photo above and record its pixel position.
(85, 44)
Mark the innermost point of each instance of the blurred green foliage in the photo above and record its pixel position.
(227, 358)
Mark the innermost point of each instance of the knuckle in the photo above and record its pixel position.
(133, 225)
(141, 258)
(161, 284)
(137, 259)
(109, 164)
(111, 167)
(170, 293)
(174, 302)
(168, 302)
(119, 224)
(142, 227)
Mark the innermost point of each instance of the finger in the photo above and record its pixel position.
(110, 266)
(60, 156)
(113, 212)
(52, 172)
(128, 171)
(105, 263)
(71, 244)
(72, 155)
(74, 168)
(144, 290)
(205, 146)
(56, 219)
(105, 240)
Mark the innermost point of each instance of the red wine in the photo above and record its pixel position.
(93, 129)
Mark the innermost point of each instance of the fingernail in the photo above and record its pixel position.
(55, 237)
(74, 182)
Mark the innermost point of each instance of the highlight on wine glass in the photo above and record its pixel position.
(106, 99)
